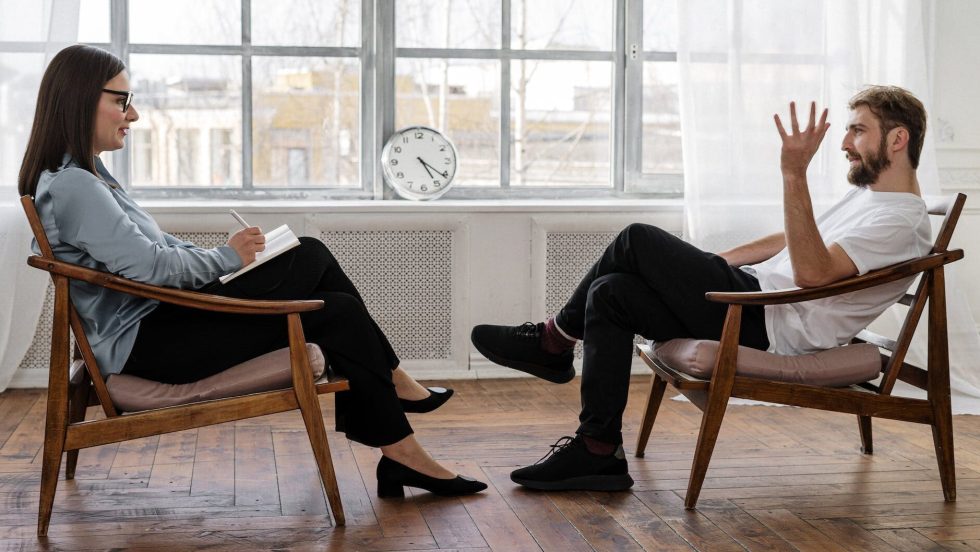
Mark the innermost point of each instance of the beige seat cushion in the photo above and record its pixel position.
(264, 373)
(836, 367)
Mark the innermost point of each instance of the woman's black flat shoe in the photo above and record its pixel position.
(437, 397)
(394, 477)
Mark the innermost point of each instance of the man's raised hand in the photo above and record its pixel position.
(799, 146)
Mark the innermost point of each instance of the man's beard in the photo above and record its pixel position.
(868, 170)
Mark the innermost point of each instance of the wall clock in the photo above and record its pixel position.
(419, 162)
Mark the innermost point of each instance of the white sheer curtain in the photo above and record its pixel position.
(54, 23)
(740, 62)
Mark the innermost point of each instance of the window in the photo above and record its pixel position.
(297, 171)
(523, 87)
(654, 161)
(291, 98)
(187, 146)
(221, 157)
(141, 140)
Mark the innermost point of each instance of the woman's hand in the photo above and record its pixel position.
(247, 242)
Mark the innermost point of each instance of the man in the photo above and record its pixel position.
(651, 283)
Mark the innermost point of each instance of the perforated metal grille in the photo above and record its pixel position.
(207, 240)
(568, 256)
(39, 353)
(405, 277)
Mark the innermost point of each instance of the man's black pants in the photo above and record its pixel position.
(652, 283)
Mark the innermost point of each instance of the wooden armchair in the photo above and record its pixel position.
(864, 399)
(73, 385)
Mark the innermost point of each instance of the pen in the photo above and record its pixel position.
(239, 218)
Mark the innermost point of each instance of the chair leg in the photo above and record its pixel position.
(313, 419)
(938, 384)
(54, 443)
(710, 426)
(657, 387)
(309, 406)
(942, 437)
(77, 405)
(56, 417)
(722, 383)
(864, 425)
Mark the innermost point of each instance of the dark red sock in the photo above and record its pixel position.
(597, 447)
(552, 341)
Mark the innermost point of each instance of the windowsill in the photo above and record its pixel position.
(160, 206)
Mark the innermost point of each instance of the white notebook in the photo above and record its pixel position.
(277, 242)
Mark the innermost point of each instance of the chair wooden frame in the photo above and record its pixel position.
(866, 400)
(74, 384)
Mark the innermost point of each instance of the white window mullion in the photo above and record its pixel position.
(371, 99)
(385, 78)
(633, 92)
(618, 130)
(246, 53)
(119, 33)
(505, 130)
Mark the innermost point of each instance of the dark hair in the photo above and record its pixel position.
(64, 120)
(896, 107)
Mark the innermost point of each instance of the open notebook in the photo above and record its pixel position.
(277, 242)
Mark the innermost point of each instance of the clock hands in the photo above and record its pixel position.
(427, 166)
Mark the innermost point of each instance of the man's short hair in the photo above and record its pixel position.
(896, 107)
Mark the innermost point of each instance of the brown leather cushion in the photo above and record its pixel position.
(264, 373)
(836, 367)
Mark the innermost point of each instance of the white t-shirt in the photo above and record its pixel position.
(875, 229)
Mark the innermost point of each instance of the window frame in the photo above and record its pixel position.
(377, 54)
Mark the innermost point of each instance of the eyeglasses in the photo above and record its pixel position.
(127, 95)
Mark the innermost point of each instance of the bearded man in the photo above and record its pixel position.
(649, 282)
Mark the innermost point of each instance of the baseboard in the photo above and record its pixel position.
(29, 379)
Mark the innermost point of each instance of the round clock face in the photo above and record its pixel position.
(419, 163)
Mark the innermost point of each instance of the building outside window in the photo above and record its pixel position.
(141, 141)
(221, 156)
(297, 163)
(187, 145)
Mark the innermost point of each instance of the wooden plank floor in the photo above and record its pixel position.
(780, 479)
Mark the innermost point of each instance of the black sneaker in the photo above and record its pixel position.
(519, 347)
(571, 467)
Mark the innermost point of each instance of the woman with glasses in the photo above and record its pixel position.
(84, 108)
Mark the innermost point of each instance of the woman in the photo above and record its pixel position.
(83, 109)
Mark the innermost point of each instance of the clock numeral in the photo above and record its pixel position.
(436, 183)
(442, 148)
(405, 139)
(424, 188)
(394, 162)
(447, 160)
(397, 149)
(419, 136)
(400, 175)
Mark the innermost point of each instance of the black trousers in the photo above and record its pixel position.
(652, 283)
(180, 345)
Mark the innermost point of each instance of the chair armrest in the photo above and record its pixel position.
(884, 275)
(191, 299)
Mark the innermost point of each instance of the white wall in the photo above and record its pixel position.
(955, 124)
